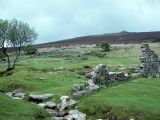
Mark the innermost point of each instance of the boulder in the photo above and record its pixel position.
(63, 103)
(50, 105)
(64, 98)
(20, 95)
(66, 103)
(71, 104)
(42, 105)
(39, 98)
(75, 115)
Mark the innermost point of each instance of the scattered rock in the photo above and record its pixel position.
(64, 98)
(42, 105)
(10, 95)
(66, 103)
(75, 115)
(50, 105)
(71, 104)
(18, 93)
(39, 98)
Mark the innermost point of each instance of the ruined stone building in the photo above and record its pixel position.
(150, 62)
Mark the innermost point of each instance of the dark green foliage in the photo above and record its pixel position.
(30, 49)
(105, 46)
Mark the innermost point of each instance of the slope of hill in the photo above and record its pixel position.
(114, 38)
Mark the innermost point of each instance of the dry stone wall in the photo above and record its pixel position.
(100, 77)
(150, 62)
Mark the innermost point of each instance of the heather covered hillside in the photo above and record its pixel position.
(114, 38)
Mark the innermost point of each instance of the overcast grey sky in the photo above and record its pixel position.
(61, 19)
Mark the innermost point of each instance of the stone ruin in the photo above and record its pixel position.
(150, 62)
(100, 77)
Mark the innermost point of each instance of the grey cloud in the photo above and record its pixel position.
(60, 19)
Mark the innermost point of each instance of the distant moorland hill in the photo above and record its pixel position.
(114, 38)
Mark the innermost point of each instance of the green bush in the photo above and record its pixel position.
(105, 46)
(30, 49)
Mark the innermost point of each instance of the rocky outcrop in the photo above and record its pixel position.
(150, 62)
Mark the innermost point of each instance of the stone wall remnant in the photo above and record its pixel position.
(150, 63)
(98, 78)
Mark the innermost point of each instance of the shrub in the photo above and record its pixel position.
(105, 46)
(30, 49)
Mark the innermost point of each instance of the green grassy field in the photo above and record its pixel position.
(20, 110)
(138, 98)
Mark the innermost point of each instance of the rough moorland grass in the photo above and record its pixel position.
(20, 110)
(126, 99)
(139, 98)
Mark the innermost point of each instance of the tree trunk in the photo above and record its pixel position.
(17, 55)
(8, 59)
(14, 63)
